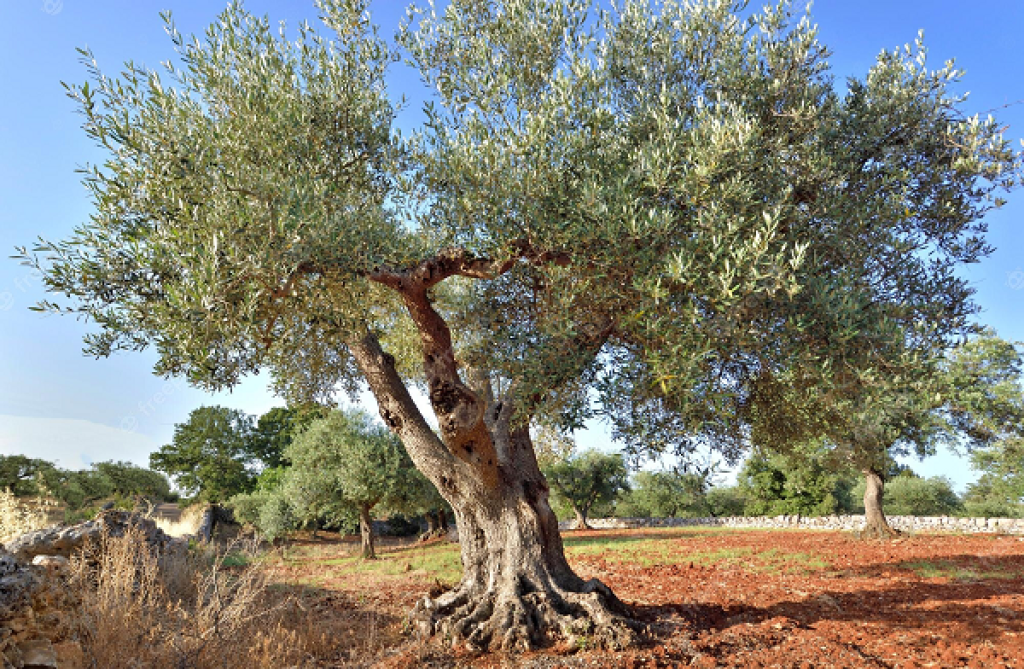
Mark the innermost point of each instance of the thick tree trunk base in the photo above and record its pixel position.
(878, 530)
(516, 617)
(875, 524)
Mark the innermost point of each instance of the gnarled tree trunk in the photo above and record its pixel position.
(517, 587)
(875, 524)
(366, 532)
(517, 590)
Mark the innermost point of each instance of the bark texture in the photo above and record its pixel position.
(875, 524)
(517, 590)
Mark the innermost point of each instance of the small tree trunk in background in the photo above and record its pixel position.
(432, 527)
(366, 532)
(442, 521)
(581, 519)
(875, 524)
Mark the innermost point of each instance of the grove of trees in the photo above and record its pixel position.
(670, 216)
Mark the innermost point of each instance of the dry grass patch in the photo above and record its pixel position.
(204, 608)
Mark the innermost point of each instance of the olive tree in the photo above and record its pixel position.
(968, 398)
(664, 214)
(588, 479)
(345, 462)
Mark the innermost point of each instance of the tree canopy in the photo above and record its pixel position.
(210, 456)
(806, 481)
(684, 190)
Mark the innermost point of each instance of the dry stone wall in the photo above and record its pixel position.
(851, 523)
(38, 612)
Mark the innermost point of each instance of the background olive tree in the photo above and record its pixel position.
(587, 480)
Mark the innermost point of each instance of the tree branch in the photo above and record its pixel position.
(451, 262)
(396, 406)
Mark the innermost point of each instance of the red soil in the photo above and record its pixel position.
(848, 603)
(868, 608)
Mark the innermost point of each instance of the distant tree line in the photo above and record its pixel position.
(82, 491)
(773, 484)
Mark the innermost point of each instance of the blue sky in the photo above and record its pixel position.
(57, 404)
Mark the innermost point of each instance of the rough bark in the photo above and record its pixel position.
(517, 590)
(581, 519)
(366, 532)
(875, 524)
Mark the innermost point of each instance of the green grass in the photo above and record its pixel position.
(440, 561)
(661, 547)
(959, 572)
(667, 549)
(235, 559)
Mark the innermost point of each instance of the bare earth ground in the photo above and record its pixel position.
(711, 598)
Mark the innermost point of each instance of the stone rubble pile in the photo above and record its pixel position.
(848, 523)
(38, 610)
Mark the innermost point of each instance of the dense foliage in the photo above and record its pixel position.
(806, 482)
(211, 456)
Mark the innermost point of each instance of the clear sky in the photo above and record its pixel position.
(59, 405)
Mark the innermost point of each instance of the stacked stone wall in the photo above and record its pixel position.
(842, 523)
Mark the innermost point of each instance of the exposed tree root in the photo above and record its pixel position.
(522, 617)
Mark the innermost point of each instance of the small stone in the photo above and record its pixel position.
(53, 563)
(38, 654)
